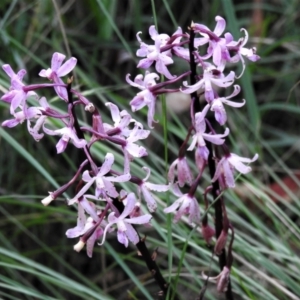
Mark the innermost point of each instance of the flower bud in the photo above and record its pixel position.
(221, 242)
(223, 280)
(208, 233)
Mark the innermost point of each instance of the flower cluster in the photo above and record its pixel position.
(101, 205)
(93, 220)
(217, 50)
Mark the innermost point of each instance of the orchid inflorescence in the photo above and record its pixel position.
(98, 199)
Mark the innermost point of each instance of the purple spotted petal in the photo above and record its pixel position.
(107, 164)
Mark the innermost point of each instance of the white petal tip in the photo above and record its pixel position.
(46, 201)
(79, 246)
(90, 107)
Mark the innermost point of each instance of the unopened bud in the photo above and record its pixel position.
(221, 242)
(207, 233)
(70, 80)
(154, 254)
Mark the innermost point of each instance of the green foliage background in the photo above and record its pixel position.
(36, 259)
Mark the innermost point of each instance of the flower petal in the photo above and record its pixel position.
(122, 238)
(67, 67)
(162, 69)
(57, 59)
(151, 203)
(139, 220)
(132, 234)
(157, 187)
(106, 166)
(131, 200)
(171, 173)
(115, 112)
(173, 207)
(81, 220)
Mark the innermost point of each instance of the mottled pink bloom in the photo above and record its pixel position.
(187, 205)
(200, 136)
(81, 218)
(31, 114)
(217, 46)
(242, 51)
(104, 185)
(21, 116)
(218, 107)
(126, 232)
(153, 53)
(58, 70)
(145, 187)
(16, 95)
(121, 121)
(67, 133)
(130, 149)
(84, 224)
(211, 76)
(146, 96)
(90, 243)
(201, 157)
(226, 166)
(184, 173)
